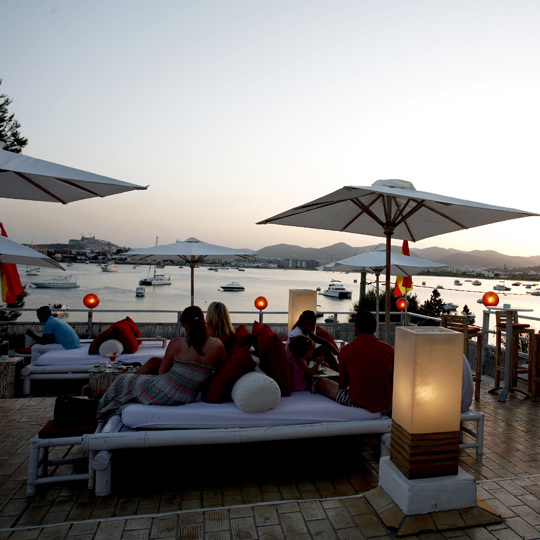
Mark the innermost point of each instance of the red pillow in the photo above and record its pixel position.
(321, 332)
(104, 336)
(122, 331)
(274, 361)
(242, 339)
(257, 331)
(133, 326)
(220, 386)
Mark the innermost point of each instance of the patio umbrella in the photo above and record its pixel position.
(28, 178)
(393, 208)
(12, 252)
(192, 251)
(374, 260)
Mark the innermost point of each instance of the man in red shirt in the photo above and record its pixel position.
(366, 368)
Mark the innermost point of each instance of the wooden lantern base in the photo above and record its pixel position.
(424, 455)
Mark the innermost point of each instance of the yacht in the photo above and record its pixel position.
(457, 282)
(337, 290)
(476, 282)
(56, 283)
(32, 270)
(109, 267)
(233, 286)
(501, 288)
(157, 279)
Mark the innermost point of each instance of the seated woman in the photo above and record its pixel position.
(189, 361)
(219, 324)
(306, 326)
(301, 350)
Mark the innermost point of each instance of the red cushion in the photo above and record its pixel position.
(48, 431)
(321, 332)
(257, 331)
(100, 339)
(274, 361)
(515, 326)
(122, 331)
(242, 339)
(133, 326)
(220, 386)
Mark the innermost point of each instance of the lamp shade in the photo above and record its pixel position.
(490, 299)
(91, 301)
(402, 304)
(428, 369)
(261, 302)
(301, 300)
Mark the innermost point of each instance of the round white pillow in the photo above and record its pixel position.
(110, 347)
(255, 392)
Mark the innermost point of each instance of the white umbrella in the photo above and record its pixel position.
(14, 253)
(374, 260)
(28, 178)
(192, 251)
(393, 208)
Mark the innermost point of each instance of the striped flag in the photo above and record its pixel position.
(403, 284)
(11, 283)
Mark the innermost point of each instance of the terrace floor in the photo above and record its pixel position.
(295, 490)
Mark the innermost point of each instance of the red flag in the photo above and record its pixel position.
(11, 283)
(403, 284)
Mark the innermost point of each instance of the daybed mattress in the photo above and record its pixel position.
(80, 356)
(299, 408)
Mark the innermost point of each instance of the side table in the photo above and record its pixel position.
(10, 371)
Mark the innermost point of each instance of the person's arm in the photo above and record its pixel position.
(321, 341)
(168, 359)
(42, 340)
(343, 375)
(309, 370)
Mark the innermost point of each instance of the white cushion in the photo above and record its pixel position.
(256, 392)
(110, 347)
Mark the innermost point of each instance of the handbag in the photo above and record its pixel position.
(74, 411)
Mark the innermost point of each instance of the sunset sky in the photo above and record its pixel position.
(235, 110)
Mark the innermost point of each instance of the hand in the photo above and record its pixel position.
(29, 332)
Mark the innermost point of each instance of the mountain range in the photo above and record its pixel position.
(477, 259)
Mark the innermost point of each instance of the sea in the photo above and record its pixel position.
(116, 291)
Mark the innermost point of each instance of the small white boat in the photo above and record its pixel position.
(440, 287)
(476, 282)
(516, 284)
(156, 280)
(140, 292)
(450, 306)
(59, 310)
(241, 269)
(109, 267)
(534, 293)
(213, 269)
(457, 282)
(330, 319)
(233, 286)
(32, 270)
(56, 283)
(337, 290)
(501, 288)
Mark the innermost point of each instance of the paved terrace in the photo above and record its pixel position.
(295, 490)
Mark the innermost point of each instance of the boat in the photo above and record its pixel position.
(440, 287)
(109, 267)
(471, 317)
(241, 269)
(233, 286)
(450, 306)
(59, 310)
(32, 270)
(337, 290)
(140, 292)
(516, 284)
(476, 282)
(534, 293)
(501, 288)
(56, 283)
(157, 279)
(330, 320)
(457, 282)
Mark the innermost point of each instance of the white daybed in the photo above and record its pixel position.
(75, 363)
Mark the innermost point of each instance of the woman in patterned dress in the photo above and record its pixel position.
(188, 362)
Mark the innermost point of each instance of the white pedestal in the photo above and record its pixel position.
(427, 495)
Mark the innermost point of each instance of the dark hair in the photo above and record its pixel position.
(198, 334)
(300, 345)
(305, 316)
(365, 322)
(46, 310)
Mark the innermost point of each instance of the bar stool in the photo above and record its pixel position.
(534, 378)
(460, 323)
(518, 329)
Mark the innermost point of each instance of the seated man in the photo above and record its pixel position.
(366, 368)
(57, 335)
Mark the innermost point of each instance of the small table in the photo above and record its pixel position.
(324, 373)
(507, 388)
(162, 339)
(101, 377)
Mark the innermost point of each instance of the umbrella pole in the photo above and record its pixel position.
(388, 232)
(192, 266)
(377, 303)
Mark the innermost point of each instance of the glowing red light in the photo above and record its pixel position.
(91, 301)
(261, 302)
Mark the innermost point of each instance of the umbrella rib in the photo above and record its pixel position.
(41, 188)
(365, 209)
(299, 210)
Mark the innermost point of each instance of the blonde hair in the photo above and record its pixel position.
(218, 321)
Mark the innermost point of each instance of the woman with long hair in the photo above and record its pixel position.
(188, 362)
(219, 324)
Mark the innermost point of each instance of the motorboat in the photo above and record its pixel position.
(56, 283)
(450, 306)
(534, 293)
(457, 282)
(213, 268)
(32, 270)
(336, 289)
(516, 284)
(476, 282)
(241, 269)
(233, 286)
(156, 280)
(59, 310)
(140, 292)
(330, 320)
(501, 288)
(109, 267)
(440, 287)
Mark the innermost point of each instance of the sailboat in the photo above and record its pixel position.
(32, 270)
(157, 279)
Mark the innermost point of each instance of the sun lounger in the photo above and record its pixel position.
(75, 364)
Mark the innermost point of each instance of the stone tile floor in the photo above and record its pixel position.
(296, 490)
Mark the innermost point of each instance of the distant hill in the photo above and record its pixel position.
(487, 259)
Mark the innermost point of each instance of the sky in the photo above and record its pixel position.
(232, 111)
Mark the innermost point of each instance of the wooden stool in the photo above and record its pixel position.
(460, 323)
(534, 366)
(518, 329)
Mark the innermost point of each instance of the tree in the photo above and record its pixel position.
(10, 137)
(433, 307)
(19, 303)
(369, 303)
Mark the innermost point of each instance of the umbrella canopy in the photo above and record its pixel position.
(28, 178)
(393, 208)
(12, 252)
(374, 260)
(192, 251)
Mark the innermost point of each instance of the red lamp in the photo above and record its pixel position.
(261, 302)
(91, 301)
(402, 304)
(490, 299)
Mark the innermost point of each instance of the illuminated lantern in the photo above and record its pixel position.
(490, 299)
(402, 304)
(91, 301)
(261, 302)
(300, 300)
